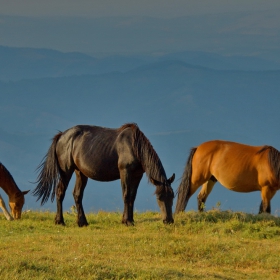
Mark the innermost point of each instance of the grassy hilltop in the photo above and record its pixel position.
(211, 245)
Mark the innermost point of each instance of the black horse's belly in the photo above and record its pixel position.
(104, 174)
(99, 168)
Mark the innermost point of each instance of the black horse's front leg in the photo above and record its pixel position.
(130, 181)
(127, 218)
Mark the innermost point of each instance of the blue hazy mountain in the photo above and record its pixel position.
(177, 104)
(31, 63)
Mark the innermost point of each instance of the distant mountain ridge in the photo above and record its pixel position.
(30, 63)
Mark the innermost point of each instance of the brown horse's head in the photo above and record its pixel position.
(165, 196)
(16, 203)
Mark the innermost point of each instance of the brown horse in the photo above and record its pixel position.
(16, 196)
(237, 167)
(103, 154)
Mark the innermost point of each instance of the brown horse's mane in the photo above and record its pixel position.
(7, 173)
(274, 160)
(146, 154)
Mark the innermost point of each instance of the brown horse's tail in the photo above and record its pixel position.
(185, 184)
(49, 174)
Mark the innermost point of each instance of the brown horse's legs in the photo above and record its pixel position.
(130, 184)
(60, 194)
(267, 194)
(81, 181)
(203, 194)
(268, 210)
(193, 188)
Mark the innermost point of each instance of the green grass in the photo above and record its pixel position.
(211, 245)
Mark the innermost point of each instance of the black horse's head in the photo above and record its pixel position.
(165, 196)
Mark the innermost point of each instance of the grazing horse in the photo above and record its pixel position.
(102, 154)
(16, 196)
(237, 167)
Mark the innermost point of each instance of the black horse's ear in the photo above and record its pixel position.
(154, 182)
(171, 179)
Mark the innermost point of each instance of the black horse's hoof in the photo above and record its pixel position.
(84, 224)
(59, 223)
(169, 222)
(128, 223)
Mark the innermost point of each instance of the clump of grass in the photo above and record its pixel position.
(229, 222)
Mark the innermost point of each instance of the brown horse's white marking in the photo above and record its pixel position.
(16, 196)
(4, 209)
(238, 167)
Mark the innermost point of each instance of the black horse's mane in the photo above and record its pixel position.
(274, 160)
(146, 154)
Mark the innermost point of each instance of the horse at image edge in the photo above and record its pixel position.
(238, 167)
(16, 196)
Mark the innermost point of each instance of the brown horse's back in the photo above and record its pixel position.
(237, 167)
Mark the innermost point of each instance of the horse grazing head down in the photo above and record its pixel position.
(16, 203)
(165, 196)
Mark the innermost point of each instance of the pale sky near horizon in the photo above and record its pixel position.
(30, 29)
(156, 8)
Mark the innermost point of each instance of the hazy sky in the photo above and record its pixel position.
(72, 25)
(158, 8)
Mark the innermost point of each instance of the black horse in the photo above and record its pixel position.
(102, 154)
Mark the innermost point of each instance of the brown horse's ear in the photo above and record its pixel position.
(171, 179)
(154, 182)
(25, 192)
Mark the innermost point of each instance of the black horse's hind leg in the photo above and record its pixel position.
(78, 193)
(60, 194)
(130, 185)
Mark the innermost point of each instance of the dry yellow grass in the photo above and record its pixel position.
(213, 245)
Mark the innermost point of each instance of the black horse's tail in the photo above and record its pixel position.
(49, 174)
(184, 188)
